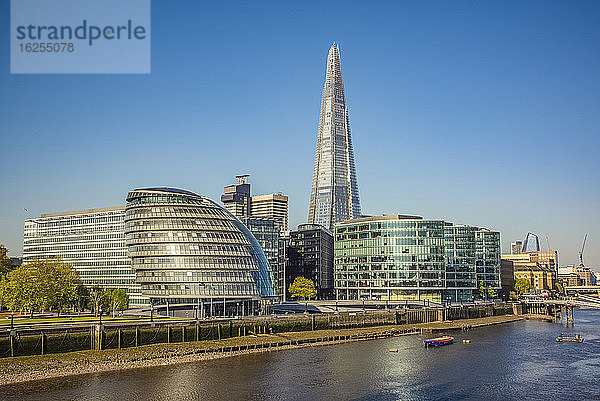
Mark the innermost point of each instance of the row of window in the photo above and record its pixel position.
(71, 239)
(44, 224)
(120, 244)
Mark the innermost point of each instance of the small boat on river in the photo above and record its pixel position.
(436, 342)
(570, 338)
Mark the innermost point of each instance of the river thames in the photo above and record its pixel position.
(519, 360)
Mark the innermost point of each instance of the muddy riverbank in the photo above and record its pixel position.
(26, 368)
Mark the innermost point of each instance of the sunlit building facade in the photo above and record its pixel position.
(92, 241)
(188, 250)
(487, 258)
(271, 206)
(390, 257)
(461, 274)
(334, 195)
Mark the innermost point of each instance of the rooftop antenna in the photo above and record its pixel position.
(581, 252)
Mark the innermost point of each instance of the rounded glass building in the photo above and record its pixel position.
(186, 251)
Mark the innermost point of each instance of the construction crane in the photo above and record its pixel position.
(581, 252)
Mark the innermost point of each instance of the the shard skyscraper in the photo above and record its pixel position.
(334, 195)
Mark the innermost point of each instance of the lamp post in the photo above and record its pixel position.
(12, 318)
(151, 312)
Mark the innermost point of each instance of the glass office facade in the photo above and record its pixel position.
(187, 249)
(390, 258)
(407, 257)
(487, 258)
(266, 231)
(461, 277)
(92, 241)
(310, 255)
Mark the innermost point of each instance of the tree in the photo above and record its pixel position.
(5, 261)
(118, 300)
(21, 290)
(57, 284)
(522, 285)
(98, 300)
(559, 288)
(40, 285)
(491, 292)
(3, 291)
(302, 288)
(482, 289)
(83, 297)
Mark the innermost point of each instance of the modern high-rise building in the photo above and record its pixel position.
(461, 274)
(334, 195)
(516, 247)
(188, 250)
(266, 231)
(487, 258)
(310, 255)
(271, 206)
(394, 257)
(92, 241)
(531, 243)
(390, 257)
(236, 198)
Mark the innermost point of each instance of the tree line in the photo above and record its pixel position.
(52, 285)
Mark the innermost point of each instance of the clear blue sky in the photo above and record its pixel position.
(478, 112)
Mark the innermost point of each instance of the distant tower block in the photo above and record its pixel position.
(531, 243)
(334, 195)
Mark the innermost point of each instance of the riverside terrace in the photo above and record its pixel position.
(75, 336)
(141, 316)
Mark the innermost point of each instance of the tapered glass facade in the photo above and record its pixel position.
(185, 248)
(334, 195)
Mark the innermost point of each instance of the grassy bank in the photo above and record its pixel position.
(25, 368)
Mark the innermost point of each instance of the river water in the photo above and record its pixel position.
(513, 361)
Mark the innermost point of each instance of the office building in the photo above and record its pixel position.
(271, 206)
(266, 232)
(334, 195)
(399, 257)
(284, 242)
(531, 243)
(507, 278)
(187, 250)
(390, 257)
(310, 255)
(92, 241)
(461, 274)
(236, 198)
(516, 247)
(487, 258)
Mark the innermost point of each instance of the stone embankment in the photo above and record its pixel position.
(26, 368)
